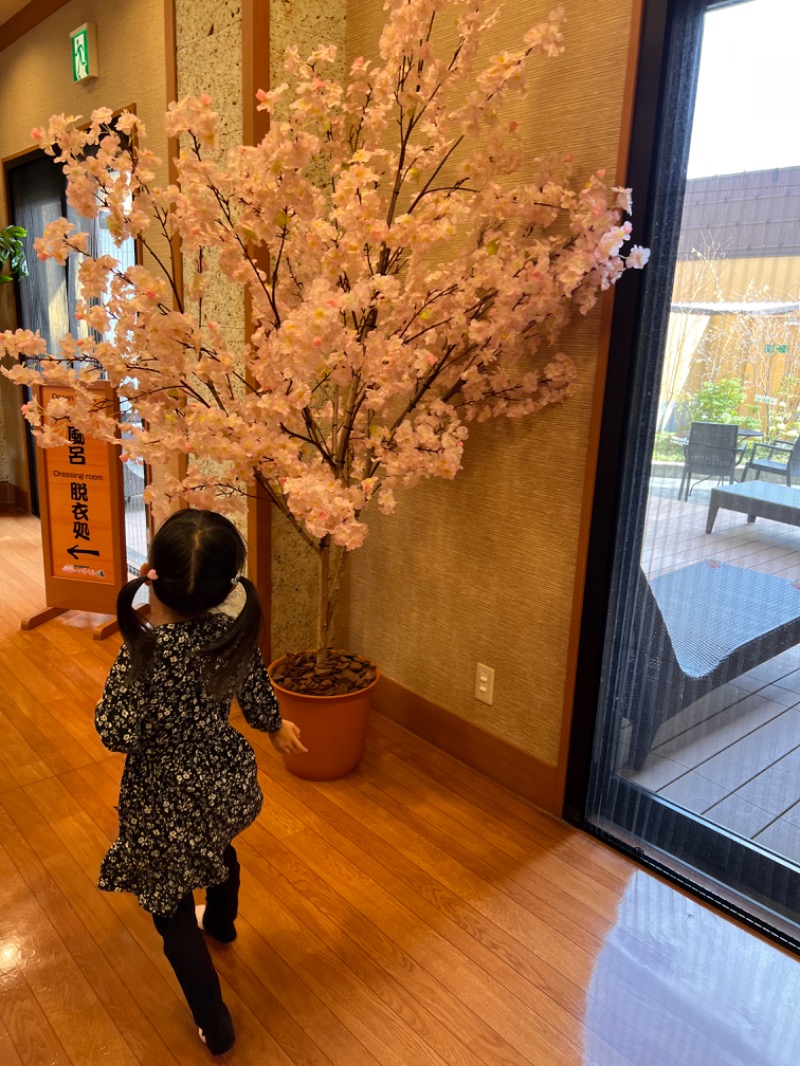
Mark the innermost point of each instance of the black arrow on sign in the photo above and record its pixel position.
(75, 551)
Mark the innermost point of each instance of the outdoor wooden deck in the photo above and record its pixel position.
(733, 756)
(675, 536)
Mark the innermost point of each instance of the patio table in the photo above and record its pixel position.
(756, 499)
(744, 434)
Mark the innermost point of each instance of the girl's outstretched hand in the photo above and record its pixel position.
(286, 740)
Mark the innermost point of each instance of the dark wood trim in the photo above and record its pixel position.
(8, 162)
(27, 19)
(171, 56)
(596, 422)
(173, 148)
(255, 67)
(7, 494)
(255, 124)
(22, 499)
(500, 761)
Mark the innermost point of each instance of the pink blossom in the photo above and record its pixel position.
(394, 301)
(23, 342)
(638, 257)
(128, 123)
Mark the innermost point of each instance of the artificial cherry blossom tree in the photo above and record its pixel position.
(401, 284)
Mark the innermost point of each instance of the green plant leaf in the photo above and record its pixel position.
(12, 250)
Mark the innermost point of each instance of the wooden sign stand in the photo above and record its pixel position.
(83, 522)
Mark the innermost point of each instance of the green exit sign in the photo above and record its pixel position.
(776, 349)
(83, 44)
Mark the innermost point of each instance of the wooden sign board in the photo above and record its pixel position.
(83, 519)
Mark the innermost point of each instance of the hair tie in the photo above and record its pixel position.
(151, 575)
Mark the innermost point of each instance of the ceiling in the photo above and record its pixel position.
(9, 8)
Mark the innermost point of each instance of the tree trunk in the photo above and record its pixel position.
(323, 636)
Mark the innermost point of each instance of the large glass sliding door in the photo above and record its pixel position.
(695, 761)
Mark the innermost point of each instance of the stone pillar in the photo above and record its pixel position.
(304, 23)
(221, 47)
(209, 60)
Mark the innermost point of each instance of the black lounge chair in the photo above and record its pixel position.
(699, 627)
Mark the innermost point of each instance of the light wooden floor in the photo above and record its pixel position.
(413, 914)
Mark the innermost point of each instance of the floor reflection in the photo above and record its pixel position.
(677, 984)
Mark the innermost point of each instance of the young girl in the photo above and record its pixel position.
(189, 784)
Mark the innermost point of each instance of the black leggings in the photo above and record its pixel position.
(185, 946)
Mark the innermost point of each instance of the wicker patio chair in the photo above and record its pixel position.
(711, 451)
(781, 457)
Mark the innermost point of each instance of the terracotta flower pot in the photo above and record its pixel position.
(333, 728)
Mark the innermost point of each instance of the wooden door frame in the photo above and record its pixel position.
(255, 125)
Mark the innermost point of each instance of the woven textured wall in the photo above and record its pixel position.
(481, 569)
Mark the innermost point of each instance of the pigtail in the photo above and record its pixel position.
(230, 656)
(138, 636)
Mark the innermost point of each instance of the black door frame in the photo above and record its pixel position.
(10, 165)
(671, 35)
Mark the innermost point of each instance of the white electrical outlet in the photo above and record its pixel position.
(484, 683)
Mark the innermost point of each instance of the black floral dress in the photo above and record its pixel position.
(189, 784)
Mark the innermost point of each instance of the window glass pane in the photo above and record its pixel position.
(698, 752)
(36, 190)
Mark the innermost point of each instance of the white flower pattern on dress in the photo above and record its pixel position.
(190, 780)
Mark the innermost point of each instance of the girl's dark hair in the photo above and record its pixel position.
(198, 556)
